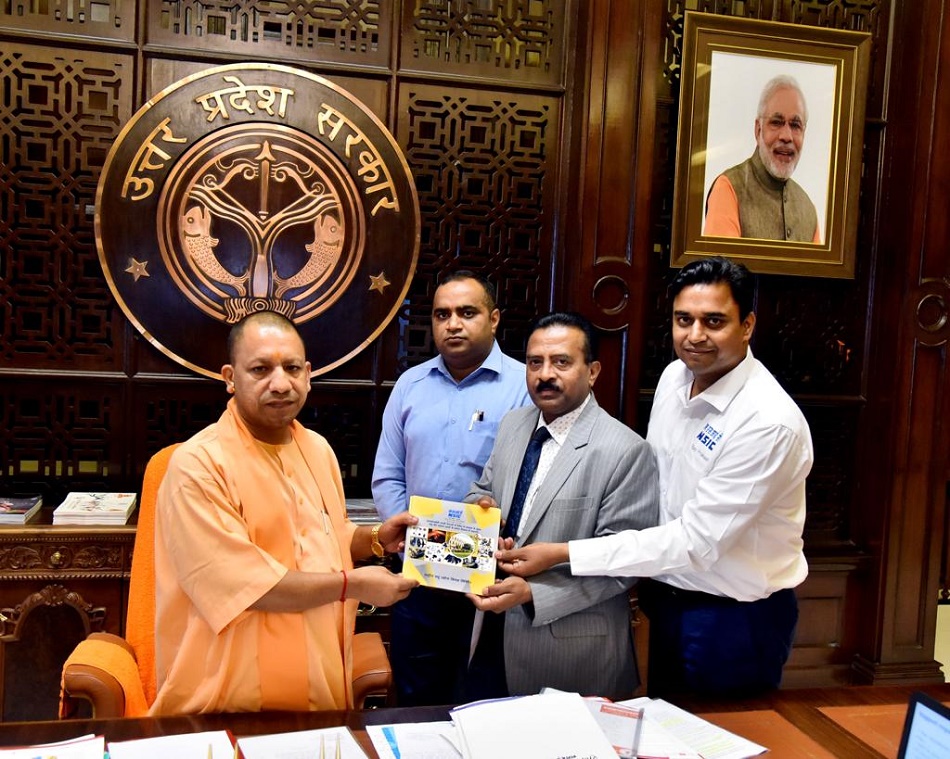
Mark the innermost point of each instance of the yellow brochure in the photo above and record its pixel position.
(453, 545)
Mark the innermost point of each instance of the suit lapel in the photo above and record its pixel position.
(564, 464)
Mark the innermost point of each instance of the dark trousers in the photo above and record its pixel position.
(707, 645)
(430, 638)
(486, 673)
(431, 631)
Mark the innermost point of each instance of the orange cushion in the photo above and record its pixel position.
(118, 662)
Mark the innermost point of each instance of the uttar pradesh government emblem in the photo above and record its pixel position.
(257, 187)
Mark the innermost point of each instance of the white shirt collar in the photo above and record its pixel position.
(560, 428)
(720, 394)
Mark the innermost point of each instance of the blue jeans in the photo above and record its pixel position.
(707, 645)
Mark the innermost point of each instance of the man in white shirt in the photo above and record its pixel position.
(733, 451)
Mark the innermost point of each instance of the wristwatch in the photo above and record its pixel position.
(378, 550)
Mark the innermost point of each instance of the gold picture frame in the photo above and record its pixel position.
(727, 64)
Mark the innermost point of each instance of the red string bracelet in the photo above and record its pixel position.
(343, 592)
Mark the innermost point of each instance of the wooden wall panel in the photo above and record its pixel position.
(815, 335)
(58, 435)
(607, 228)
(325, 31)
(487, 161)
(520, 41)
(485, 166)
(112, 20)
(911, 387)
(60, 110)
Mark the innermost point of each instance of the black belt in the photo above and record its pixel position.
(690, 597)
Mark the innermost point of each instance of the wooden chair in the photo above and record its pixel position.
(117, 675)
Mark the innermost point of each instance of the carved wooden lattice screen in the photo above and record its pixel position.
(484, 160)
(332, 31)
(483, 171)
(521, 42)
(473, 91)
(59, 113)
(105, 19)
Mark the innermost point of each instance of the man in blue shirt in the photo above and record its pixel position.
(438, 430)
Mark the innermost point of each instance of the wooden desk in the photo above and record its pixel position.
(793, 724)
(819, 723)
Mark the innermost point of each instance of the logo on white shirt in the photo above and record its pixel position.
(709, 437)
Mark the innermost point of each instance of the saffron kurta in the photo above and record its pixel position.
(233, 516)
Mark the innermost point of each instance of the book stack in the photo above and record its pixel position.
(19, 510)
(362, 511)
(81, 508)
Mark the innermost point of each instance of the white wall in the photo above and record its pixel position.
(942, 646)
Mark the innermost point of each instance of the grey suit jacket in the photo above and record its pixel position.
(576, 633)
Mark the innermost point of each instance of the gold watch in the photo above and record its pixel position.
(378, 550)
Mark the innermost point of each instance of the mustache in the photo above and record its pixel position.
(289, 395)
(546, 385)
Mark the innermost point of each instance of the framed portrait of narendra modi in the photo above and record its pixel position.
(771, 123)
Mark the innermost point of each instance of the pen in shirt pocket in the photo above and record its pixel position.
(477, 416)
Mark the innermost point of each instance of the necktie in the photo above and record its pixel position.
(529, 465)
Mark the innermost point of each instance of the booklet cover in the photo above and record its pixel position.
(19, 510)
(620, 723)
(94, 508)
(453, 545)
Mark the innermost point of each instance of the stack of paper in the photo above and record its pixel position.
(329, 743)
(86, 747)
(19, 510)
(555, 724)
(674, 732)
(94, 508)
(546, 726)
(415, 740)
(214, 744)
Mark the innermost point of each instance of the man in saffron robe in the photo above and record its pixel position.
(256, 591)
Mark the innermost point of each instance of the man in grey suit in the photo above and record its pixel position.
(594, 476)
